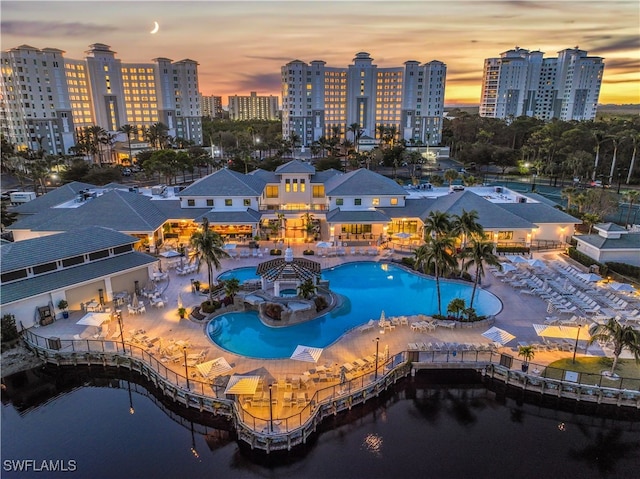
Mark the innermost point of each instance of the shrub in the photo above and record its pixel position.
(585, 260)
(8, 330)
(276, 252)
(625, 269)
(209, 307)
(408, 261)
(321, 303)
(308, 252)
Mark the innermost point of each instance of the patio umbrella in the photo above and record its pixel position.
(402, 235)
(589, 277)
(519, 260)
(498, 335)
(94, 319)
(566, 332)
(536, 263)
(239, 384)
(343, 375)
(324, 244)
(134, 301)
(213, 368)
(508, 267)
(382, 316)
(307, 353)
(623, 287)
(229, 246)
(170, 254)
(179, 300)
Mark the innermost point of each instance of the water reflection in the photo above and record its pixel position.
(373, 444)
(606, 450)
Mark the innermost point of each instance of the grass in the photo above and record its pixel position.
(591, 368)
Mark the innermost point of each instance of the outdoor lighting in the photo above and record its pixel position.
(375, 378)
(186, 368)
(119, 316)
(131, 410)
(575, 348)
(270, 408)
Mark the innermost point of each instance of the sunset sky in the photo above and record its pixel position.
(242, 45)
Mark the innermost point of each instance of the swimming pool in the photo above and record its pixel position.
(367, 288)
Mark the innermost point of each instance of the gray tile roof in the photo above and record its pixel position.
(172, 211)
(362, 182)
(52, 198)
(539, 213)
(225, 182)
(266, 176)
(324, 175)
(413, 208)
(232, 217)
(542, 199)
(627, 241)
(45, 249)
(364, 216)
(490, 215)
(116, 209)
(295, 166)
(609, 227)
(54, 281)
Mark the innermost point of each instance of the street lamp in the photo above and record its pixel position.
(270, 408)
(619, 181)
(119, 316)
(575, 348)
(186, 368)
(131, 410)
(534, 173)
(375, 378)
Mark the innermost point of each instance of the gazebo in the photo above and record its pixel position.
(288, 272)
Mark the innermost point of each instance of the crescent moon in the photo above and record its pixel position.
(156, 27)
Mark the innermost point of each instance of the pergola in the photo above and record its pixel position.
(288, 272)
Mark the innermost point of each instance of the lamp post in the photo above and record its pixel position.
(534, 173)
(186, 368)
(270, 408)
(119, 316)
(575, 348)
(131, 410)
(376, 373)
(619, 181)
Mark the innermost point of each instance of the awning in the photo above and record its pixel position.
(623, 287)
(170, 254)
(508, 267)
(566, 332)
(307, 353)
(94, 319)
(498, 335)
(242, 384)
(589, 277)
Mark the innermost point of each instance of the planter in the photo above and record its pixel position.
(525, 367)
(65, 314)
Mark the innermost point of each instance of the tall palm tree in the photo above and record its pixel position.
(590, 219)
(466, 225)
(631, 196)
(599, 137)
(569, 192)
(439, 253)
(635, 139)
(481, 253)
(129, 130)
(207, 246)
(355, 129)
(294, 138)
(622, 337)
(437, 224)
(94, 134)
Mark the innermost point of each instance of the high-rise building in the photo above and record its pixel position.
(211, 106)
(253, 107)
(523, 83)
(317, 99)
(46, 99)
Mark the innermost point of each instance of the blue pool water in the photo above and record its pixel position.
(367, 289)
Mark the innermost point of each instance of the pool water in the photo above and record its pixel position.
(288, 293)
(367, 289)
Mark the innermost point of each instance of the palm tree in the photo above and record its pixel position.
(207, 246)
(635, 138)
(457, 307)
(569, 192)
(600, 138)
(294, 138)
(436, 224)
(129, 130)
(481, 253)
(450, 175)
(616, 139)
(439, 253)
(307, 289)
(631, 196)
(622, 337)
(466, 224)
(590, 219)
(355, 129)
(231, 287)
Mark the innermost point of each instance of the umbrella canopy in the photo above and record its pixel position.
(402, 235)
(180, 300)
(343, 375)
(170, 254)
(624, 287)
(508, 267)
(536, 263)
(324, 244)
(589, 277)
(498, 335)
(567, 332)
(307, 353)
(518, 260)
(382, 316)
(94, 319)
(214, 368)
(229, 246)
(242, 384)
(134, 301)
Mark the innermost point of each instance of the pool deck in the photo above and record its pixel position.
(517, 316)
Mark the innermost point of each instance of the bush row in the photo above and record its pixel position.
(585, 260)
(625, 269)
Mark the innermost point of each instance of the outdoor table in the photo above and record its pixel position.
(92, 306)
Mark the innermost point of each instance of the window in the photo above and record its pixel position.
(287, 186)
(246, 202)
(505, 235)
(272, 192)
(375, 201)
(303, 185)
(228, 202)
(318, 191)
(339, 201)
(357, 202)
(394, 202)
(191, 202)
(295, 186)
(210, 202)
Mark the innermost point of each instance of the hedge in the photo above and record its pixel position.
(625, 269)
(585, 260)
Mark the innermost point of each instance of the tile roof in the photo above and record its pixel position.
(172, 210)
(225, 182)
(45, 249)
(52, 198)
(295, 166)
(362, 182)
(539, 213)
(324, 175)
(75, 275)
(266, 176)
(363, 216)
(232, 217)
(413, 208)
(627, 241)
(609, 227)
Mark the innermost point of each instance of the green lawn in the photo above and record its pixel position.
(591, 369)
